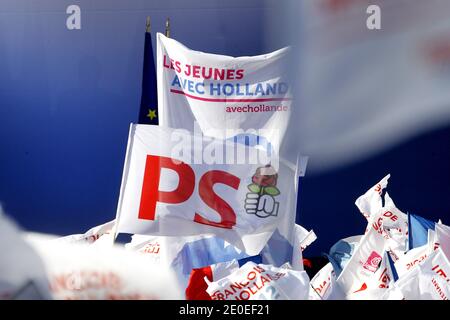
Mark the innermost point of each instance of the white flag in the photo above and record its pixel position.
(166, 191)
(22, 271)
(225, 96)
(395, 222)
(77, 271)
(90, 236)
(324, 284)
(364, 263)
(261, 282)
(377, 284)
(442, 236)
(428, 281)
(371, 202)
(411, 259)
(182, 254)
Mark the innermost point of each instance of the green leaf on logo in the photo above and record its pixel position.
(273, 191)
(254, 188)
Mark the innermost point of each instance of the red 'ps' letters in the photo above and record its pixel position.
(206, 184)
(150, 187)
(151, 194)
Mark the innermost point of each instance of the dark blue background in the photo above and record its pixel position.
(419, 183)
(67, 98)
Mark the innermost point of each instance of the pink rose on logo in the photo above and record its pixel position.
(265, 176)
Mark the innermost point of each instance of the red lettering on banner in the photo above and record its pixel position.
(244, 290)
(219, 74)
(239, 74)
(377, 225)
(230, 74)
(378, 189)
(439, 272)
(167, 64)
(411, 264)
(178, 66)
(171, 64)
(228, 293)
(264, 280)
(384, 280)
(196, 71)
(259, 269)
(85, 280)
(150, 187)
(439, 289)
(212, 200)
(390, 215)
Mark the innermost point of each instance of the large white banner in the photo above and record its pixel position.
(224, 95)
(80, 271)
(22, 270)
(178, 184)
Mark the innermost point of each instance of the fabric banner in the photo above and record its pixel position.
(178, 184)
(418, 230)
(411, 259)
(378, 284)
(371, 202)
(382, 211)
(341, 252)
(22, 271)
(183, 254)
(261, 282)
(90, 236)
(428, 281)
(364, 263)
(78, 271)
(225, 96)
(442, 238)
(324, 284)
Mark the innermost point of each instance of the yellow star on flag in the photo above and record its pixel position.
(151, 114)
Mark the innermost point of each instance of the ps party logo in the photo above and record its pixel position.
(373, 262)
(260, 201)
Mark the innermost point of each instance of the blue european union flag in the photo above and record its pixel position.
(148, 113)
(418, 230)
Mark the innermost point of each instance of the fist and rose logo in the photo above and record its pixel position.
(263, 190)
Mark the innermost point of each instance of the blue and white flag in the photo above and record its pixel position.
(418, 230)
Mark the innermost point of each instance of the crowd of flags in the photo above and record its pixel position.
(178, 254)
(399, 256)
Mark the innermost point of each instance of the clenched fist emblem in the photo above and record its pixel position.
(261, 198)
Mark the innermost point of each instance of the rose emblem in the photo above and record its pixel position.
(265, 181)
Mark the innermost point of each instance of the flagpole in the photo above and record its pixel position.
(147, 25)
(114, 229)
(168, 28)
